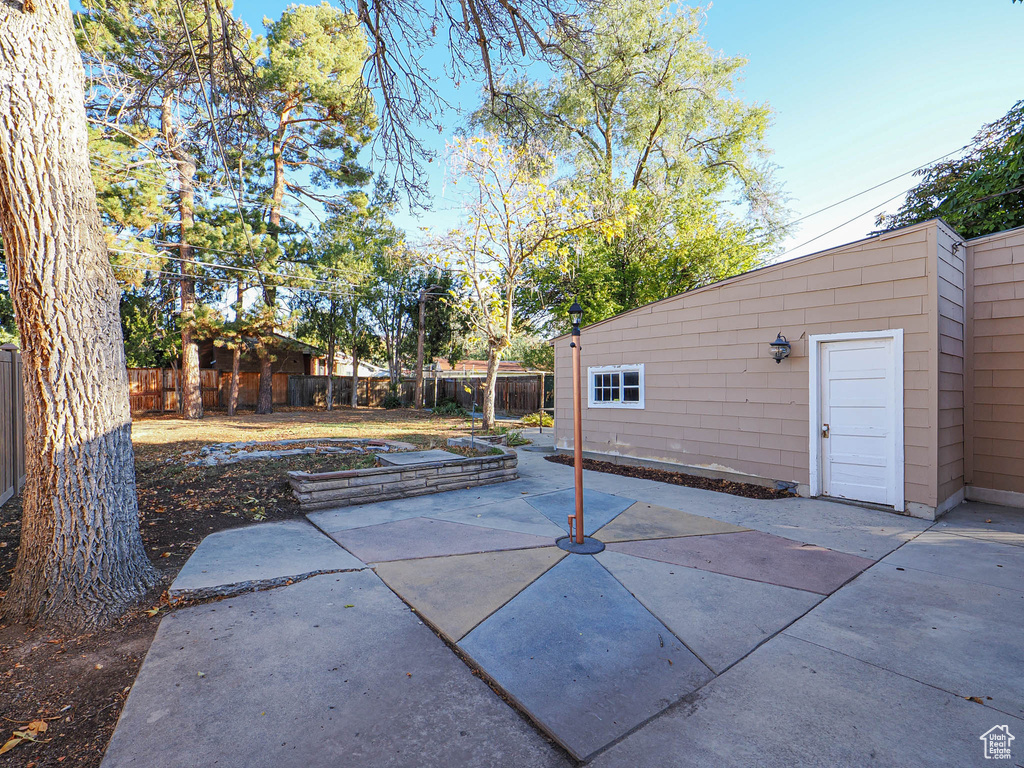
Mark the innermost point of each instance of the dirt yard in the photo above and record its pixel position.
(77, 685)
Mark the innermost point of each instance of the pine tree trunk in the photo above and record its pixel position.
(236, 364)
(265, 396)
(236, 352)
(330, 374)
(81, 561)
(191, 384)
(490, 382)
(355, 377)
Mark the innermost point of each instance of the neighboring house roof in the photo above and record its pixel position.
(480, 366)
(289, 341)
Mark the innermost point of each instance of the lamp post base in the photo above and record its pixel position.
(588, 547)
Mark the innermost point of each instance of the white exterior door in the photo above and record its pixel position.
(859, 420)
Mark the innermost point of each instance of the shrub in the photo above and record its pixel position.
(449, 408)
(535, 419)
(392, 400)
(513, 437)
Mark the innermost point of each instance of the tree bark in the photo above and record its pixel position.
(355, 377)
(236, 352)
(493, 359)
(265, 397)
(81, 561)
(191, 385)
(236, 364)
(330, 371)
(420, 338)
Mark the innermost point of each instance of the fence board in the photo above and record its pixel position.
(12, 424)
(516, 395)
(155, 390)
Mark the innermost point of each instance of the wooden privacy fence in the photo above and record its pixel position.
(312, 391)
(12, 424)
(155, 390)
(515, 395)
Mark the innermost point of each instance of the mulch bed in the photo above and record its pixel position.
(748, 490)
(79, 684)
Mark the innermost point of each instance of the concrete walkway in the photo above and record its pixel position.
(714, 630)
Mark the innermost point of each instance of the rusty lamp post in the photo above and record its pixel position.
(578, 543)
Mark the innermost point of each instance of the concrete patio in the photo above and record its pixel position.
(713, 630)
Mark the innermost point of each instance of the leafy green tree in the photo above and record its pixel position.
(8, 326)
(978, 193)
(313, 115)
(514, 218)
(644, 114)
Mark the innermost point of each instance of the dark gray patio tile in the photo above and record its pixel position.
(456, 593)
(583, 657)
(293, 677)
(515, 515)
(261, 555)
(957, 635)
(754, 555)
(720, 618)
(599, 509)
(421, 537)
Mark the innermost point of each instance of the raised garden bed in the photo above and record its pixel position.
(231, 453)
(326, 490)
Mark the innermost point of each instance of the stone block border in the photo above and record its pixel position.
(326, 490)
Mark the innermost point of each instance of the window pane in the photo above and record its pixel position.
(631, 378)
(631, 394)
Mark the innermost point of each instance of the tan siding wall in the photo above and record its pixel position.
(714, 395)
(997, 362)
(951, 287)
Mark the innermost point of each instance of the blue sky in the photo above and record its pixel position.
(861, 92)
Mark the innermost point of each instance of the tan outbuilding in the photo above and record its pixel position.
(904, 385)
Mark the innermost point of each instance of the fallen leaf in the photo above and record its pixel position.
(166, 554)
(37, 726)
(975, 699)
(10, 744)
(408, 674)
(350, 606)
(988, 521)
(202, 674)
(153, 611)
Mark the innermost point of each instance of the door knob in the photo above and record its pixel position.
(824, 431)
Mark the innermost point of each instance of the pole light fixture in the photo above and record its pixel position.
(575, 316)
(780, 348)
(576, 541)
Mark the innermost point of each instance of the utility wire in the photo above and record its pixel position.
(840, 226)
(881, 184)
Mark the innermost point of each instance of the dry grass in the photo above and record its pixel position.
(161, 437)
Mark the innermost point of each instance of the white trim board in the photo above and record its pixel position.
(814, 343)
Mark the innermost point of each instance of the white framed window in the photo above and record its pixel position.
(615, 386)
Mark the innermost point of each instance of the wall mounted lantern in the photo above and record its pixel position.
(780, 348)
